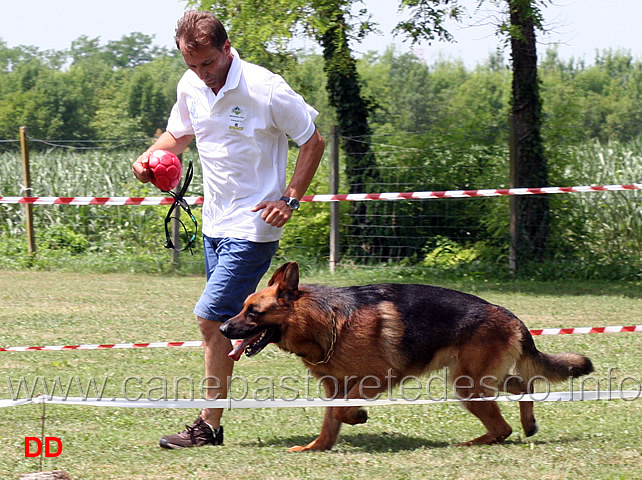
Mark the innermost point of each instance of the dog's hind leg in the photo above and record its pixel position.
(527, 416)
(517, 386)
(497, 429)
(470, 381)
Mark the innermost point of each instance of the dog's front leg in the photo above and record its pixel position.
(328, 436)
(331, 424)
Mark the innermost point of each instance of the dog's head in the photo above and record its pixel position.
(264, 313)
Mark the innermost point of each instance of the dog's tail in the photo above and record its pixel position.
(554, 368)
(558, 367)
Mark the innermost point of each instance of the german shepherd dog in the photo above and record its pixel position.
(365, 335)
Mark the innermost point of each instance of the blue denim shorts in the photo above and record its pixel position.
(234, 268)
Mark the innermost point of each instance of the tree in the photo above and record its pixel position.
(89, 91)
(132, 50)
(531, 216)
(84, 48)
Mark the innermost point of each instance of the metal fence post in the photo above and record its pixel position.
(26, 187)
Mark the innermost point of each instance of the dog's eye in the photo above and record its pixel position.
(251, 312)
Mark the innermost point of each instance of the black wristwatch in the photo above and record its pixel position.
(291, 202)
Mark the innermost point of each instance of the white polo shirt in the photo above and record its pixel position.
(241, 134)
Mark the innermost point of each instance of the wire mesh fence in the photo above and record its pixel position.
(598, 231)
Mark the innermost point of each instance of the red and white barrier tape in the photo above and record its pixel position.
(583, 330)
(198, 343)
(148, 201)
(109, 201)
(470, 193)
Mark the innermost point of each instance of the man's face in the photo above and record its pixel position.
(210, 64)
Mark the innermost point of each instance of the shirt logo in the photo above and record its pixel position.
(192, 111)
(237, 117)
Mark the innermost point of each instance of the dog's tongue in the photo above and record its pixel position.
(239, 347)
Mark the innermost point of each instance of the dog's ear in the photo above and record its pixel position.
(286, 278)
(291, 277)
(279, 275)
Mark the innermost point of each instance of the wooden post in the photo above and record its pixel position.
(334, 206)
(26, 174)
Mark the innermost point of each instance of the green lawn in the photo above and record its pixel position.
(597, 439)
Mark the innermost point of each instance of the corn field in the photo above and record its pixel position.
(593, 234)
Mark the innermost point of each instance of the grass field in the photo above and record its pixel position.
(596, 439)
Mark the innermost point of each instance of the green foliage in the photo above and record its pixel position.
(601, 232)
(62, 237)
(149, 100)
(433, 127)
(261, 31)
(80, 93)
(602, 101)
(305, 237)
(460, 144)
(132, 50)
(427, 18)
(446, 254)
(85, 237)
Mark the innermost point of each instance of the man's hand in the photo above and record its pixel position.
(276, 213)
(141, 168)
(166, 141)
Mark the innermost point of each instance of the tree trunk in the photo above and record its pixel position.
(528, 166)
(344, 92)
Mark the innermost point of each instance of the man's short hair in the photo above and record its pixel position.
(200, 29)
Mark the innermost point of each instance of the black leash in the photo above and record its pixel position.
(179, 201)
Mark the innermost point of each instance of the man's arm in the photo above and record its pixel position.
(166, 141)
(277, 213)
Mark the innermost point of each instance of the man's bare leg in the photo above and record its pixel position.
(218, 367)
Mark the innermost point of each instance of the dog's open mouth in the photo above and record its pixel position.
(253, 344)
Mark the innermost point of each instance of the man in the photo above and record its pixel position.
(239, 114)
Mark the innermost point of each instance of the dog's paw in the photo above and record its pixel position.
(297, 448)
(312, 446)
(533, 430)
(486, 439)
(358, 417)
(361, 416)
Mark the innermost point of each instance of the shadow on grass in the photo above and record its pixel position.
(397, 442)
(367, 442)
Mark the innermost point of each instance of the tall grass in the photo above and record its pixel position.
(600, 231)
(593, 235)
(96, 238)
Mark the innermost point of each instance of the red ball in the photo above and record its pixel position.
(166, 168)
